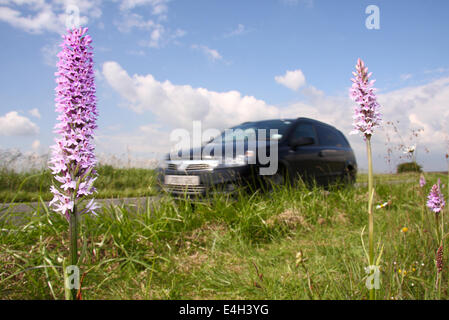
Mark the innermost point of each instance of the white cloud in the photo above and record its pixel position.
(13, 124)
(406, 76)
(140, 147)
(292, 79)
(130, 21)
(159, 34)
(49, 53)
(425, 106)
(159, 7)
(156, 36)
(179, 105)
(35, 113)
(437, 70)
(44, 19)
(136, 52)
(238, 31)
(38, 16)
(210, 53)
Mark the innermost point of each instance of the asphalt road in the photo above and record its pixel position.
(30, 206)
(15, 211)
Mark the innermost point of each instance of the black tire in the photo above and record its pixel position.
(348, 177)
(272, 182)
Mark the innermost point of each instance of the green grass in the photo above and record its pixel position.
(227, 248)
(111, 183)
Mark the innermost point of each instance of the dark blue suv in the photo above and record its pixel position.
(259, 154)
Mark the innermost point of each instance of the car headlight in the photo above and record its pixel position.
(250, 154)
(239, 160)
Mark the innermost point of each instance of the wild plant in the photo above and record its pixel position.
(366, 117)
(73, 160)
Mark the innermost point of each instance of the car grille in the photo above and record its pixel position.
(172, 166)
(189, 167)
(198, 166)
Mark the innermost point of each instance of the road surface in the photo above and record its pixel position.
(15, 210)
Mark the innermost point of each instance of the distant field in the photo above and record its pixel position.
(111, 183)
(226, 248)
(387, 177)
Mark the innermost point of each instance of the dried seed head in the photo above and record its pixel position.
(300, 258)
(440, 259)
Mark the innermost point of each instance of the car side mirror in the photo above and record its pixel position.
(302, 141)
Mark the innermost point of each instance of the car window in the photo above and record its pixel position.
(304, 130)
(272, 129)
(331, 137)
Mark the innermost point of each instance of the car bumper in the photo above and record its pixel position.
(218, 180)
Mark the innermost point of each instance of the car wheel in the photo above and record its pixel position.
(348, 177)
(276, 180)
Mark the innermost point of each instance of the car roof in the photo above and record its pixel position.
(292, 120)
(269, 120)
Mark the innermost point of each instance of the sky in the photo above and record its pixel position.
(162, 64)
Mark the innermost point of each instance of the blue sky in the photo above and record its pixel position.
(163, 64)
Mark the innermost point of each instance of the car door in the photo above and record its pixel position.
(333, 150)
(304, 160)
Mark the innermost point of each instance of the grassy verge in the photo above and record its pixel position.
(241, 248)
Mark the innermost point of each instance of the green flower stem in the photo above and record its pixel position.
(441, 240)
(370, 210)
(73, 225)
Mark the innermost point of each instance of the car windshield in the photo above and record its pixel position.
(262, 130)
